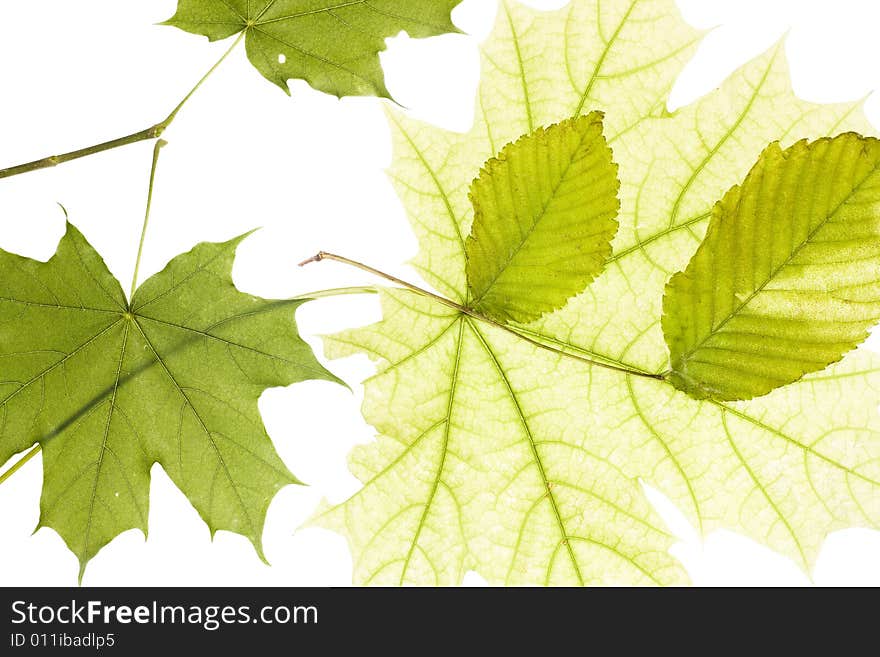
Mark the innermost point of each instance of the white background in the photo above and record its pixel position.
(309, 170)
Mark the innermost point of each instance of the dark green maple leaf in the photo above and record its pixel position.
(333, 45)
(108, 387)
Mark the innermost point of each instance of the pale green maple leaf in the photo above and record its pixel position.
(501, 456)
(108, 388)
(333, 45)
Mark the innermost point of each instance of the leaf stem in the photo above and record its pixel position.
(137, 263)
(563, 346)
(323, 255)
(204, 78)
(337, 292)
(24, 459)
(153, 132)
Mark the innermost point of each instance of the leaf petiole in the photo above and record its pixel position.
(137, 263)
(323, 255)
(337, 292)
(202, 81)
(153, 132)
(20, 463)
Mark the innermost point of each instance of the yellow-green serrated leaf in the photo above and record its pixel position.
(784, 469)
(108, 388)
(484, 463)
(544, 213)
(787, 279)
(673, 171)
(333, 45)
(538, 68)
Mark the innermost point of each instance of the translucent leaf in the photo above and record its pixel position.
(538, 68)
(673, 171)
(541, 445)
(483, 463)
(787, 278)
(543, 221)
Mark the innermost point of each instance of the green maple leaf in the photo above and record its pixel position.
(497, 452)
(108, 388)
(333, 45)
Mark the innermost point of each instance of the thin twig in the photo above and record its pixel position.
(323, 255)
(153, 132)
(470, 312)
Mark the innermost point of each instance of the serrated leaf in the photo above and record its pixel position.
(333, 45)
(673, 171)
(784, 469)
(787, 278)
(108, 388)
(544, 213)
(538, 68)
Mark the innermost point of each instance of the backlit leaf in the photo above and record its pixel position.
(787, 279)
(543, 221)
(524, 464)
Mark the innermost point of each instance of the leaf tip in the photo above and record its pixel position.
(257, 542)
(247, 234)
(315, 521)
(236, 241)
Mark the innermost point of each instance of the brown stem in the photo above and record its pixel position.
(470, 312)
